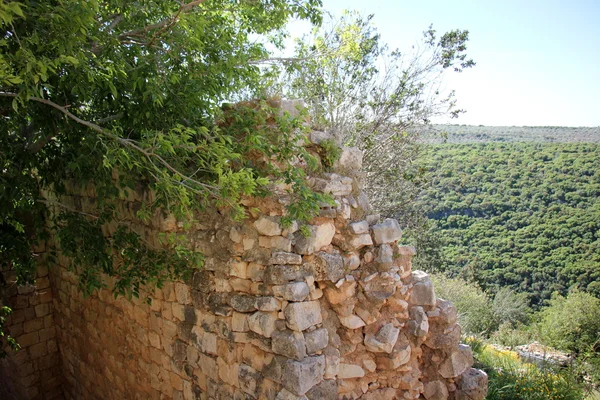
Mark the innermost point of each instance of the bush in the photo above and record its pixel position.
(571, 323)
(509, 378)
(474, 307)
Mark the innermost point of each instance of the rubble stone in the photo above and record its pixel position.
(387, 232)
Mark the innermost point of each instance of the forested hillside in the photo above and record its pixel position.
(524, 215)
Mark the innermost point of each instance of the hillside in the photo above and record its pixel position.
(486, 134)
(519, 214)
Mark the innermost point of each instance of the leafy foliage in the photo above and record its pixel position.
(370, 96)
(571, 323)
(121, 99)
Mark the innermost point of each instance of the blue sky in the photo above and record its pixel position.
(538, 62)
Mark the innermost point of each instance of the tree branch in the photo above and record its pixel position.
(161, 24)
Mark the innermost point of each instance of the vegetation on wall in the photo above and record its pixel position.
(123, 98)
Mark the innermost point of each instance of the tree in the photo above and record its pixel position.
(377, 99)
(121, 97)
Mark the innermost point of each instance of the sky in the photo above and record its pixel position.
(538, 62)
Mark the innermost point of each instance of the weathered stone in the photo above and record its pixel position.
(419, 324)
(218, 304)
(239, 322)
(275, 242)
(293, 107)
(399, 356)
(268, 303)
(350, 161)
(301, 316)
(248, 378)
(316, 340)
(268, 226)
(472, 385)
(352, 322)
(328, 266)
(359, 228)
(289, 343)
(296, 376)
(457, 362)
(383, 341)
(423, 293)
(435, 390)
(296, 291)
(319, 237)
(238, 268)
(279, 274)
(263, 323)
(387, 232)
(385, 256)
(243, 303)
(319, 136)
(332, 362)
(285, 394)
(357, 242)
(326, 390)
(333, 184)
(351, 261)
(285, 258)
(448, 312)
(349, 371)
(338, 295)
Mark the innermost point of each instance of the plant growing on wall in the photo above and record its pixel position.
(122, 97)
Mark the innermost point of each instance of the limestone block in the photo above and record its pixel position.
(419, 323)
(301, 376)
(255, 272)
(275, 242)
(285, 394)
(443, 338)
(384, 340)
(239, 269)
(352, 322)
(268, 226)
(319, 237)
(301, 316)
(457, 362)
(243, 302)
(357, 242)
(268, 303)
(385, 256)
(359, 228)
(333, 184)
(283, 258)
(326, 390)
(435, 390)
(248, 378)
(351, 260)
(289, 343)
(423, 293)
(350, 160)
(349, 371)
(263, 323)
(319, 136)
(328, 266)
(280, 274)
(473, 385)
(387, 232)
(296, 291)
(338, 295)
(316, 340)
(448, 312)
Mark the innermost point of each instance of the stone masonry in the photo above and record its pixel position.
(274, 314)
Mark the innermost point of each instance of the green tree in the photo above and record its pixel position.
(378, 99)
(123, 96)
(571, 323)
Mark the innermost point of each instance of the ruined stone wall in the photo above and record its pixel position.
(34, 371)
(274, 314)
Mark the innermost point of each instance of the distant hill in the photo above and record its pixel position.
(487, 134)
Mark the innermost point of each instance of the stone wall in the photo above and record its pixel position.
(274, 314)
(34, 371)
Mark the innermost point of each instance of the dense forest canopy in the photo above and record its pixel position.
(518, 215)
